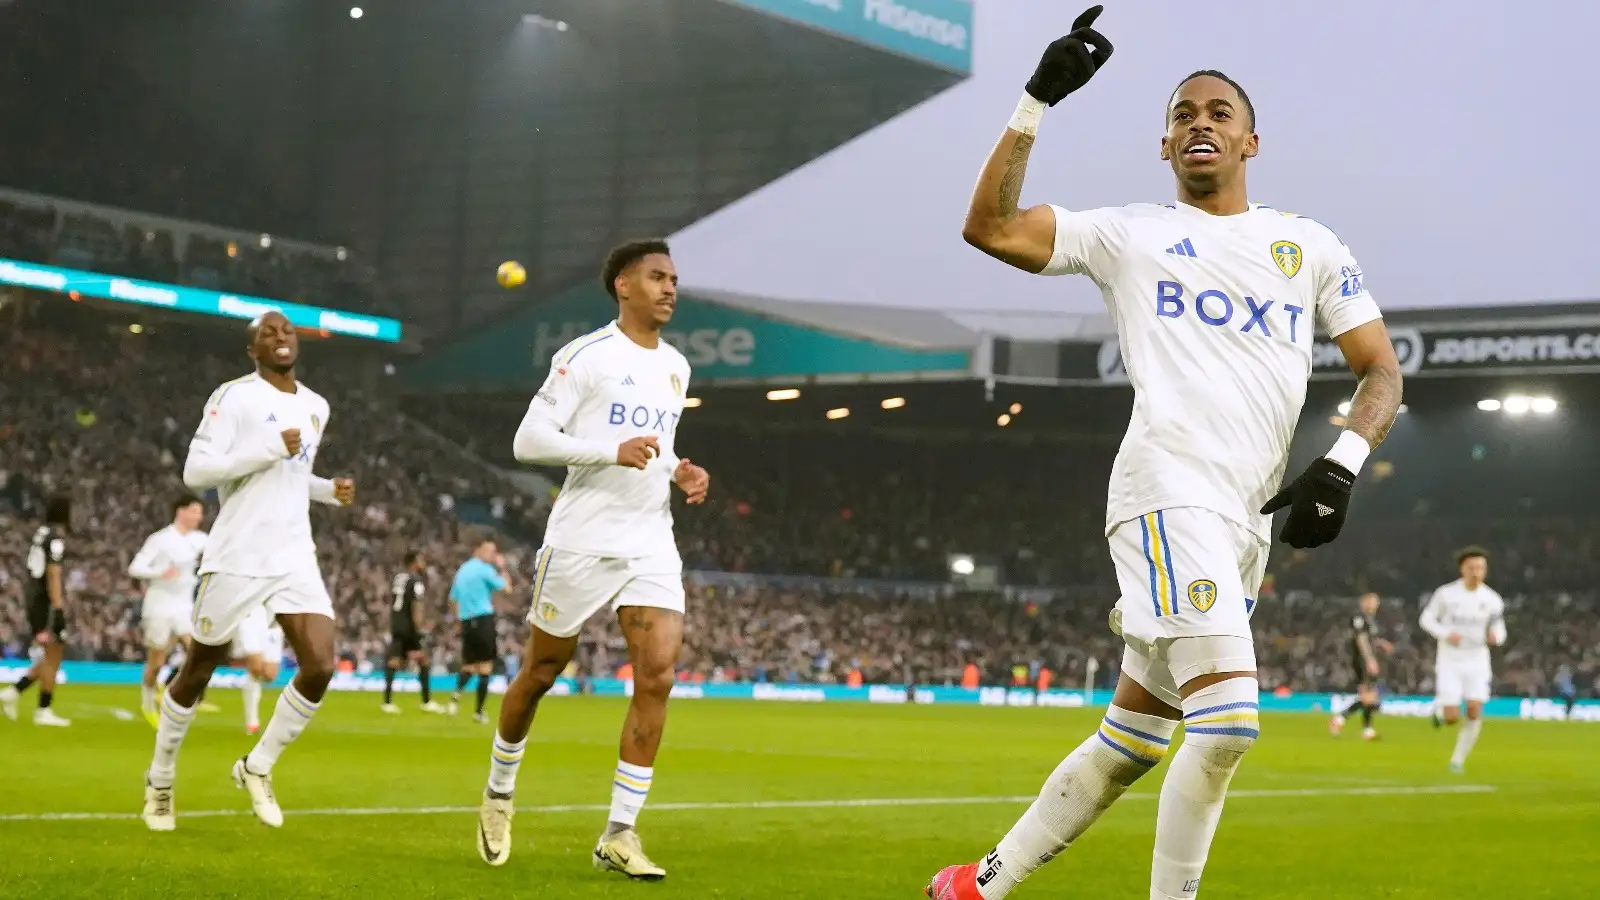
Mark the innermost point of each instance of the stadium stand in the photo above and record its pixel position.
(88, 407)
(841, 539)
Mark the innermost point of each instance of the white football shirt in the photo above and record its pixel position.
(604, 389)
(167, 549)
(1473, 614)
(264, 528)
(1215, 316)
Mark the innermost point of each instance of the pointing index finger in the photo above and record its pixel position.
(1087, 17)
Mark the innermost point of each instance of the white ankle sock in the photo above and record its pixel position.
(291, 716)
(252, 702)
(173, 726)
(1464, 741)
(630, 786)
(1220, 723)
(1084, 785)
(504, 760)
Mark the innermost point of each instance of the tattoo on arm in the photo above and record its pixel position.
(1016, 169)
(1366, 647)
(1377, 400)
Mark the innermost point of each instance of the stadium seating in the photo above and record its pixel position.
(847, 538)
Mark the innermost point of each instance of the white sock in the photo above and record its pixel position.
(504, 760)
(1082, 787)
(1465, 740)
(1220, 723)
(252, 702)
(174, 725)
(291, 716)
(147, 696)
(629, 788)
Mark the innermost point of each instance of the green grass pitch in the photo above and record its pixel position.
(766, 800)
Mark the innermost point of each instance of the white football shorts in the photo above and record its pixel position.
(259, 635)
(225, 600)
(568, 587)
(1185, 573)
(1455, 681)
(163, 625)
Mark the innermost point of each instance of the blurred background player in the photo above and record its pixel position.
(1566, 688)
(167, 563)
(609, 412)
(256, 445)
(259, 645)
(1364, 646)
(1467, 617)
(406, 628)
(476, 583)
(47, 613)
(1219, 381)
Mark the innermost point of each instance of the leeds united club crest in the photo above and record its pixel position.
(1287, 255)
(677, 385)
(1203, 594)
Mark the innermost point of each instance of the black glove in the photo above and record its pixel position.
(1317, 502)
(1067, 63)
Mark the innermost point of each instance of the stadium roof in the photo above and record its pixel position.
(438, 139)
(742, 339)
(917, 327)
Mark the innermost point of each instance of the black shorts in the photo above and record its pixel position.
(478, 640)
(1366, 682)
(1361, 678)
(44, 617)
(404, 643)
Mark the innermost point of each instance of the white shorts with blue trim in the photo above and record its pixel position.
(570, 587)
(224, 601)
(1184, 572)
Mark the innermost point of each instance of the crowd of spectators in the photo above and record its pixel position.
(76, 236)
(105, 416)
(90, 409)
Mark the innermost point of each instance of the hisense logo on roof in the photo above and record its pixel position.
(915, 23)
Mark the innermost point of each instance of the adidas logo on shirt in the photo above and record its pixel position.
(1183, 248)
(628, 379)
(272, 417)
(1324, 509)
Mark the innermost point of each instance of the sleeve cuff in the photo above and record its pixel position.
(1350, 450)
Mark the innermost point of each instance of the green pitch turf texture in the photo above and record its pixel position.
(767, 800)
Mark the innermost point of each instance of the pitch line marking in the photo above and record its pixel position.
(863, 803)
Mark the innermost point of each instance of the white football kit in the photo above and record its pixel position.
(1215, 316)
(260, 635)
(609, 538)
(1462, 672)
(168, 602)
(260, 552)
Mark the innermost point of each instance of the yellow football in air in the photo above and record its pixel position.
(510, 274)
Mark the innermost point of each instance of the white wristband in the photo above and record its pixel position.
(1350, 451)
(1029, 112)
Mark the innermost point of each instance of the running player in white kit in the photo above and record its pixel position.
(1215, 300)
(609, 412)
(168, 563)
(256, 444)
(1467, 617)
(259, 645)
